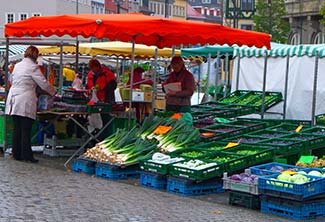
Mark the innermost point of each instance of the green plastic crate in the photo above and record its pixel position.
(99, 108)
(190, 153)
(311, 141)
(257, 154)
(8, 130)
(271, 98)
(211, 146)
(286, 127)
(320, 120)
(224, 128)
(234, 96)
(232, 162)
(317, 130)
(203, 174)
(284, 146)
(268, 134)
(149, 165)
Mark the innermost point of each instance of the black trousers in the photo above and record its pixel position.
(21, 138)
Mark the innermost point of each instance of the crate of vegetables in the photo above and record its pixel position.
(197, 169)
(245, 139)
(159, 163)
(287, 128)
(234, 97)
(232, 162)
(250, 125)
(256, 154)
(211, 146)
(270, 99)
(272, 168)
(115, 172)
(295, 186)
(311, 141)
(224, 128)
(190, 153)
(284, 147)
(269, 134)
(207, 135)
(317, 130)
(243, 182)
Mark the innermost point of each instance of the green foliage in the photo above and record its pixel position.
(268, 19)
(322, 13)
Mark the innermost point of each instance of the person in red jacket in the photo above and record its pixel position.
(137, 78)
(103, 80)
(180, 101)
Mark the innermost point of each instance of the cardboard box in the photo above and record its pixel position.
(148, 96)
(138, 96)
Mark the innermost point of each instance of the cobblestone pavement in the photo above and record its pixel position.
(41, 192)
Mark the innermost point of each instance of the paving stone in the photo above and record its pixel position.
(40, 192)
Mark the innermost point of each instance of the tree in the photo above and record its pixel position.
(268, 19)
(322, 13)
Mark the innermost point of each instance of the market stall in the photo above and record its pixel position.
(136, 28)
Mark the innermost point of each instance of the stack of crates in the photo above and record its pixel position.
(242, 193)
(292, 200)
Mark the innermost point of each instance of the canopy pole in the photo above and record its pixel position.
(154, 81)
(286, 87)
(226, 75)
(314, 89)
(131, 84)
(264, 84)
(217, 77)
(173, 51)
(199, 84)
(238, 71)
(77, 55)
(5, 154)
(117, 70)
(61, 69)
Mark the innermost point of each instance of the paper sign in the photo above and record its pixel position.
(174, 86)
(162, 129)
(299, 128)
(231, 144)
(306, 159)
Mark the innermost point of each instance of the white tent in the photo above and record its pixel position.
(300, 62)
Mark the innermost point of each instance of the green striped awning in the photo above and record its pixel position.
(281, 50)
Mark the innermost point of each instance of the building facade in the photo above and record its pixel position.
(238, 13)
(210, 9)
(304, 19)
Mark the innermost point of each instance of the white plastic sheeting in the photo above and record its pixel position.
(300, 82)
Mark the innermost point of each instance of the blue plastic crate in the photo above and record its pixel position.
(266, 169)
(188, 188)
(84, 166)
(115, 172)
(269, 185)
(153, 180)
(293, 209)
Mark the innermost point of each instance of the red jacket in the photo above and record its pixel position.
(137, 78)
(183, 97)
(102, 80)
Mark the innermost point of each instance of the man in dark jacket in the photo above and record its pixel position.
(180, 101)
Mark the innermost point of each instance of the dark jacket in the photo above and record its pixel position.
(183, 97)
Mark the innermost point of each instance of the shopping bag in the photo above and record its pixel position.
(94, 122)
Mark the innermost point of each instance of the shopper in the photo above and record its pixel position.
(21, 103)
(102, 80)
(179, 100)
(137, 78)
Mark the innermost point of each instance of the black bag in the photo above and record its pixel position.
(109, 91)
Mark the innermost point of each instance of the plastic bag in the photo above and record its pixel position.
(95, 122)
(77, 83)
(94, 98)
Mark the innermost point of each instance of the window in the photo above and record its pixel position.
(36, 14)
(247, 5)
(294, 39)
(246, 27)
(23, 16)
(10, 17)
(318, 38)
(206, 1)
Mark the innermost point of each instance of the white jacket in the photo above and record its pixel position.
(22, 98)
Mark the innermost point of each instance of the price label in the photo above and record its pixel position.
(231, 144)
(299, 128)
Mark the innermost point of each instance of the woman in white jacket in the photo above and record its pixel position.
(21, 103)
